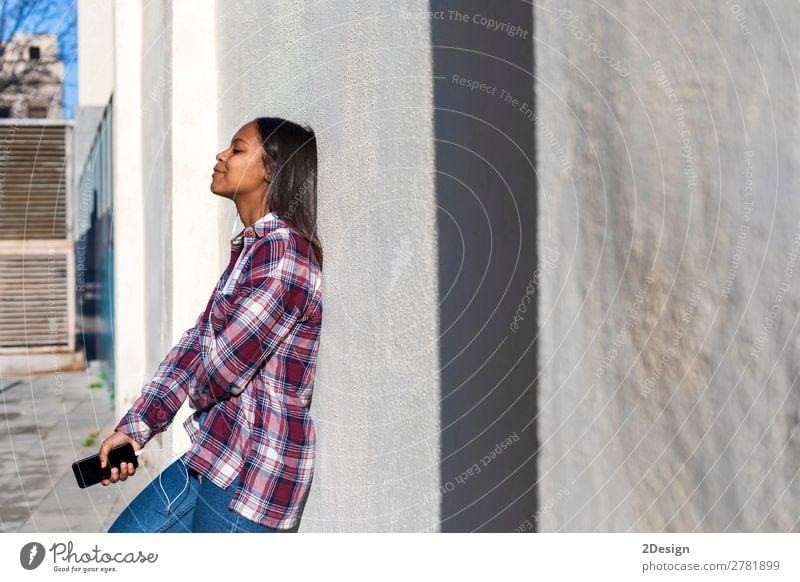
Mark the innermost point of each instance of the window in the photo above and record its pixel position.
(34, 53)
(37, 112)
(5, 112)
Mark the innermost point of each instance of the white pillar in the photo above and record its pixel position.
(199, 236)
(129, 263)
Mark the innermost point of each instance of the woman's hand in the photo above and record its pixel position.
(126, 469)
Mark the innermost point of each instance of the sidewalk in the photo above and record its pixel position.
(46, 423)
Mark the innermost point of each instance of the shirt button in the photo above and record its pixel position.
(250, 231)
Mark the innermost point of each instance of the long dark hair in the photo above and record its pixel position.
(290, 150)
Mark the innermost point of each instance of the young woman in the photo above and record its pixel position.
(247, 366)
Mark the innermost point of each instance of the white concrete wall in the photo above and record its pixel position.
(668, 390)
(199, 228)
(364, 84)
(96, 61)
(170, 245)
(363, 81)
(130, 269)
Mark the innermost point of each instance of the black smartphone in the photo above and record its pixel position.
(88, 471)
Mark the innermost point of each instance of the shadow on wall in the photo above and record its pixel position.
(486, 186)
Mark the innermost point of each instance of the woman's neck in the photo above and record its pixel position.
(249, 216)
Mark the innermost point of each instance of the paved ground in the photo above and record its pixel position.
(46, 423)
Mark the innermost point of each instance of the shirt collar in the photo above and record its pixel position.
(260, 227)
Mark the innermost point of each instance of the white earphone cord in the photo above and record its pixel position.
(185, 470)
(160, 484)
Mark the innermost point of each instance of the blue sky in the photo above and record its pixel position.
(57, 17)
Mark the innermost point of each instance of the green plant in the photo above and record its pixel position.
(91, 440)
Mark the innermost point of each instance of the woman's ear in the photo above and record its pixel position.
(268, 175)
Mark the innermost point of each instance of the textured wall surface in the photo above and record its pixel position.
(667, 146)
(362, 79)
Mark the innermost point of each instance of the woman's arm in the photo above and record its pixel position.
(218, 357)
(161, 398)
(255, 321)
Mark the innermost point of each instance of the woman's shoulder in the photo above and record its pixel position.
(285, 240)
(288, 255)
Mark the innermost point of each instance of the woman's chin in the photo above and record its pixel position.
(219, 192)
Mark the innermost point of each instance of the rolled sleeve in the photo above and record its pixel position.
(135, 427)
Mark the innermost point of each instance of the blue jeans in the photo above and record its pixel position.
(187, 503)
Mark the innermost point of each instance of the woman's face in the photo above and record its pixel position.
(240, 173)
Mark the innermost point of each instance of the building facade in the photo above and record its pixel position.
(31, 77)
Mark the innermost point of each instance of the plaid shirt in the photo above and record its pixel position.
(249, 361)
